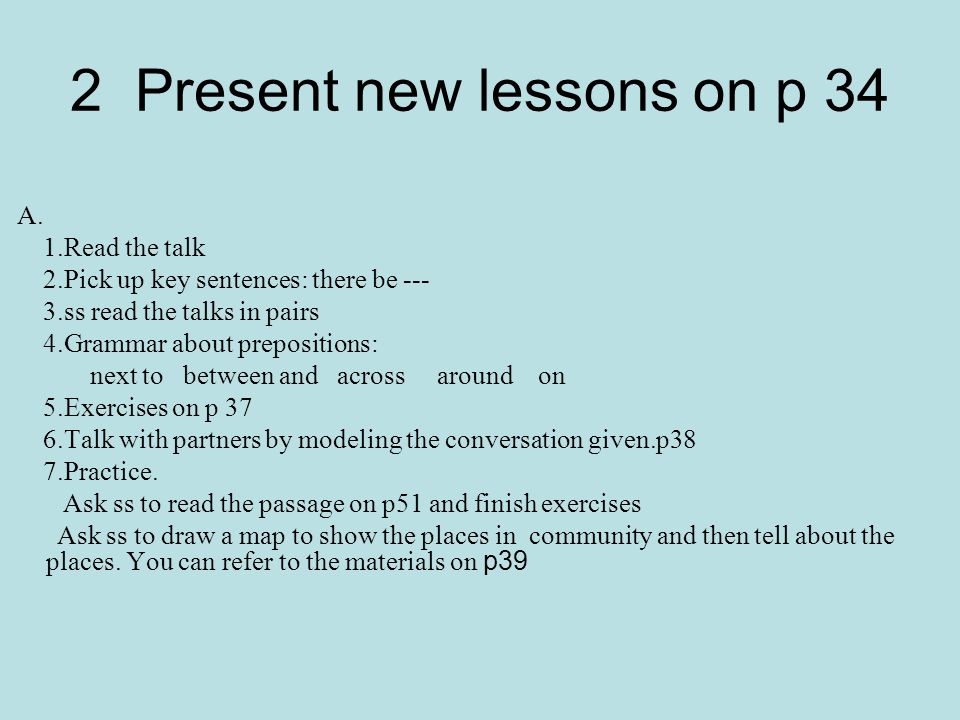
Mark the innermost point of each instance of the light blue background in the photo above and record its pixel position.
(789, 291)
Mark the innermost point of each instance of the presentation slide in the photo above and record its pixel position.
(480, 360)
